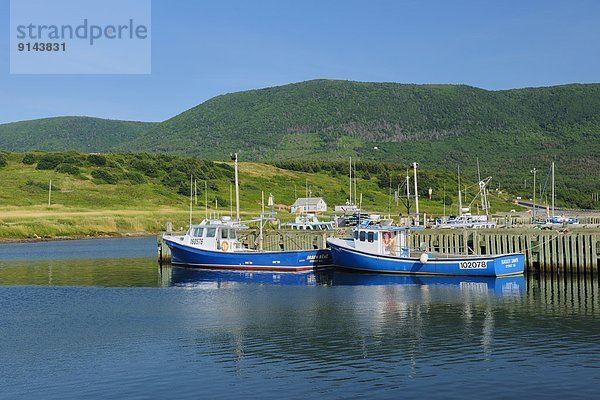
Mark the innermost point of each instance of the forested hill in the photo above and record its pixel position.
(509, 131)
(322, 118)
(69, 133)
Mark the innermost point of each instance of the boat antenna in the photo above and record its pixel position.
(230, 200)
(234, 158)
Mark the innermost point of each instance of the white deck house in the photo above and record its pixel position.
(309, 205)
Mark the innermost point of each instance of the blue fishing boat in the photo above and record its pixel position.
(384, 249)
(214, 244)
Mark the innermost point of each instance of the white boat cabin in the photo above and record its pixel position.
(375, 239)
(214, 235)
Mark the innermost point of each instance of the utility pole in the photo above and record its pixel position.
(49, 192)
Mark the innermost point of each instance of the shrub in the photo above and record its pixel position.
(102, 176)
(175, 179)
(96, 159)
(50, 161)
(3, 161)
(29, 159)
(68, 169)
(135, 177)
(146, 167)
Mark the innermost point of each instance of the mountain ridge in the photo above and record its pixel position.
(508, 131)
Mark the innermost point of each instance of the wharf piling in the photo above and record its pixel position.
(575, 251)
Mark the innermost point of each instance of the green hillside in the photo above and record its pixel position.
(69, 133)
(95, 194)
(439, 126)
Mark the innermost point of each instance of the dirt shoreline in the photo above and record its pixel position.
(77, 237)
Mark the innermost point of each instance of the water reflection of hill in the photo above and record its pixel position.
(107, 272)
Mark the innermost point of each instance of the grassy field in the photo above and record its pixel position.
(82, 205)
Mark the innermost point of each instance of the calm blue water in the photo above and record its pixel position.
(77, 322)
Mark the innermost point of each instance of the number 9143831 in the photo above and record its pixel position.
(42, 46)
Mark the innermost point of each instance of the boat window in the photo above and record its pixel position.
(198, 232)
(224, 233)
(210, 232)
(232, 234)
(355, 234)
(362, 236)
(370, 237)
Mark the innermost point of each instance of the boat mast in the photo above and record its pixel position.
(355, 196)
(206, 199)
(350, 180)
(444, 200)
(483, 192)
(552, 189)
(534, 171)
(191, 196)
(414, 167)
(234, 157)
(459, 194)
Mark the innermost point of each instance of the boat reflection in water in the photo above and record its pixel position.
(501, 286)
(190, 277)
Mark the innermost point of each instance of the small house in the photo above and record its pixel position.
(309, 205)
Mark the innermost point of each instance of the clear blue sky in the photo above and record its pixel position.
(205, 48)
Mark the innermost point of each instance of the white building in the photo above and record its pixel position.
(309, 205)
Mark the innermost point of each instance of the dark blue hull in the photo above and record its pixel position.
(300, 260)
(345, 256)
